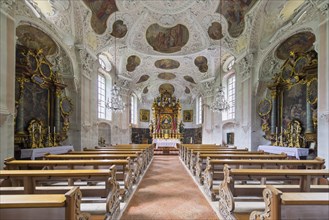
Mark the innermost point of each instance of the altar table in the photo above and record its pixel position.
(39, 152)
(290, 151)
(166, 142)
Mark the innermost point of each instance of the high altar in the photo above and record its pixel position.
(166, 121)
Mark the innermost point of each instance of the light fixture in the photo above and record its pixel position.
(219, 104)
(116, 104)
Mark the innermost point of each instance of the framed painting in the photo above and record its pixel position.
(188, 115)
(144, 115)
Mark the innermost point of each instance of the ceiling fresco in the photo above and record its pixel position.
(187, 90)
(132, 63)
(143, 78)
(36, 39)
(119, 29)
(184, 41)
(189, 79)
(167, 64)
(234, 11)
(167, 76)
(166, 87)
(215, 31)
(301, 42)
(101, 11)
(167, 40)
(202, 63)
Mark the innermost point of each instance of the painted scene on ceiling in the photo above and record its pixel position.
(167, 40)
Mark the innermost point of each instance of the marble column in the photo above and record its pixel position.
(274, 111)
(309, 120)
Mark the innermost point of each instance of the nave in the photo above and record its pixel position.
(130, 182)
(167, 191)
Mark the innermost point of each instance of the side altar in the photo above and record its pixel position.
(166, 124)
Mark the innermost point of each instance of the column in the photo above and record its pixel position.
(309, 120)
(57, 115)
(274, 111)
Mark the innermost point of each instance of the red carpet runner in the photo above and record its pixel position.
(167, 191)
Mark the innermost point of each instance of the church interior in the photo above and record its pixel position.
(164, 109)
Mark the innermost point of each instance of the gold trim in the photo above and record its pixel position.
(308, 91)
(267, 112)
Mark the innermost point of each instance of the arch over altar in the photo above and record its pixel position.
(166, 121)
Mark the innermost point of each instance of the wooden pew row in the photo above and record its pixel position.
(149, 149)
(230, 192)
(139, 162)
(199, 156)
(145, 154)
(124, 168)
(286, 205)
(188, 151)
(202, 158)
(31, 178)
(214, 170)
(183, 149)
(39, 207)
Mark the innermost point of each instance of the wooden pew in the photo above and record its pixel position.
(201, 158)
(30, 179)
(214, 170)
(285, 205)
(139, 162)
(40, 207)
(125, 166)
(230, 192)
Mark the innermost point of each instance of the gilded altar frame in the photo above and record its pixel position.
(43, 109)
(289, 113)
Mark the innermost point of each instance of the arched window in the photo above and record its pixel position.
(104, 84)
(198, 108)
(101, 96)
(231, 96)
(133, 109)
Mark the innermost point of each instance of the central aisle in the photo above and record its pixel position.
(167, 191)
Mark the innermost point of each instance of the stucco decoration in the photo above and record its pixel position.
(36, 39)
(143, 78)
(101, 11)
(234, 11)
(166, 87)
(167, 76)
(202, 63)
(189, 79)
(167, 64)
(215, 31)
(301, 42)
(132, 63)
(119, 29)
(167, 40)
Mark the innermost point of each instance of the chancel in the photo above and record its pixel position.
(158, 109)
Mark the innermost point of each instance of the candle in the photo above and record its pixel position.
(54, 129)
(33, 128)
(276, 130)
(48, 129)
(40, 129)
(281, 129)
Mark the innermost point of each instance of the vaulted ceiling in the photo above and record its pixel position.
(176, 45)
